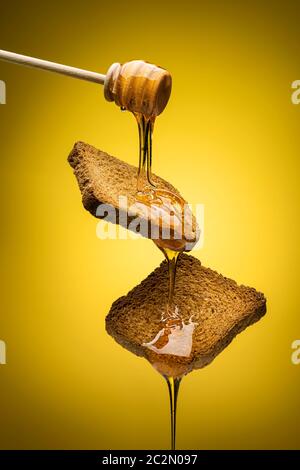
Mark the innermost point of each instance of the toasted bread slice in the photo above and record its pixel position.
(212, 309)
(104, 179)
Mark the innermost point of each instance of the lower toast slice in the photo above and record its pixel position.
(210, 311)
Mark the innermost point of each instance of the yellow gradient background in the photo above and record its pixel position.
(229, 139)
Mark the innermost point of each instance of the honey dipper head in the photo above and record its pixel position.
(139, 87)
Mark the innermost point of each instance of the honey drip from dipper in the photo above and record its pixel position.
(144, 89)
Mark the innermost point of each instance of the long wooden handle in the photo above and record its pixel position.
(52, 66)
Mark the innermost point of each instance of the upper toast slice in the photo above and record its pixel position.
(104, 179)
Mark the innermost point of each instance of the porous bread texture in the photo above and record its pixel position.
(220, 307)
(102, 178)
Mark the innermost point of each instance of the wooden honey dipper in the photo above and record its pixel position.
(136, 86)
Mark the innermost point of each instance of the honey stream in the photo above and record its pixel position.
(175, 336)
(150, 195)
(173, 386)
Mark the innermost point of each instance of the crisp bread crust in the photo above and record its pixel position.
(220, 307)
(102, 178)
